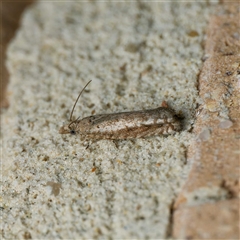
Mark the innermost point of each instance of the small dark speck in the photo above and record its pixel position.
(228, 73)
(193, 33)
(228, 53)
(27, 235)
(238, 71)
(91, 105)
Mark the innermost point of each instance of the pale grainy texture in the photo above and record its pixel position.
(137, 55)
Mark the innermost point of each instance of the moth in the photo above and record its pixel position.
(124, 125)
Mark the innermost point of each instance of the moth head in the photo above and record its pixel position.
(71, 128)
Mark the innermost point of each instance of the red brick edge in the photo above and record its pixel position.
(208, 205)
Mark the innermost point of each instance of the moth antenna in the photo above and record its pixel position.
(77, 100)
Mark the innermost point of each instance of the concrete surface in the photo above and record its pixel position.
(137, 55)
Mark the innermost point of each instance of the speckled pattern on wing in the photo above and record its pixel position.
(126, 125)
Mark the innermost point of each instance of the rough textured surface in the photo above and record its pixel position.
(212, 220)
(137, 55)
(208, 206)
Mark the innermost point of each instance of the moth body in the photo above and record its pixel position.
(125, 125)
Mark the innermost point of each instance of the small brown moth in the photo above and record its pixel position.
(124, 125)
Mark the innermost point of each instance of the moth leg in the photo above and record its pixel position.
(116, 143)
(86, 144)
